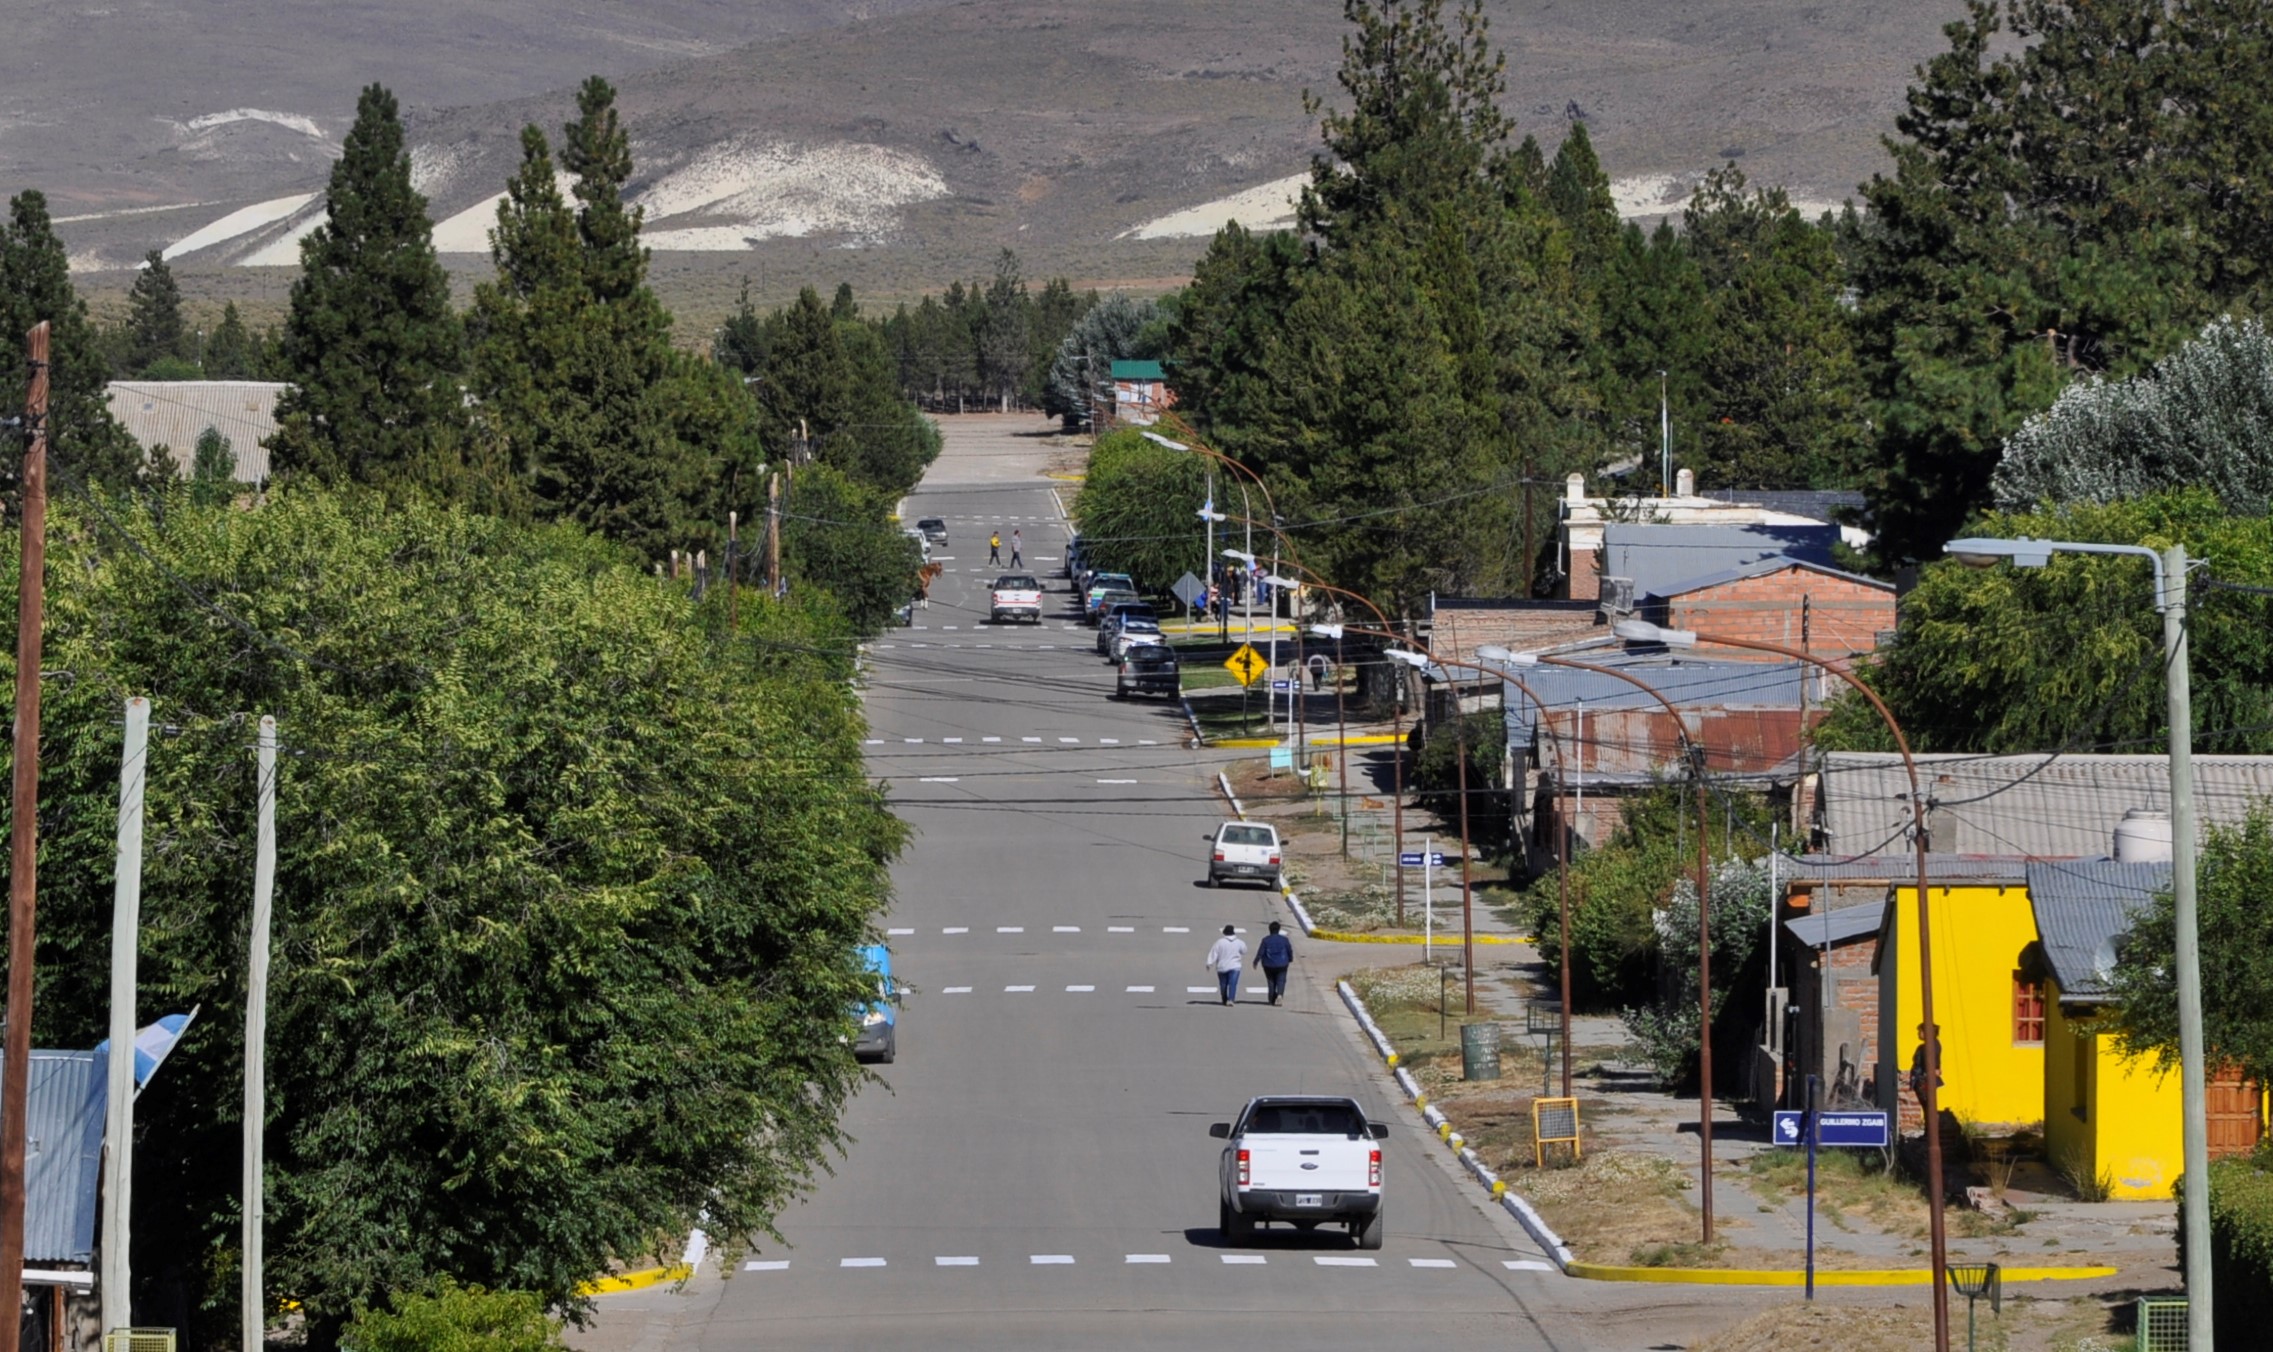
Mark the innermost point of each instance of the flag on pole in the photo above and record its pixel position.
(152, 1044)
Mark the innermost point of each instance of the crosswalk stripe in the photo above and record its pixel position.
(860, 1262)
(963, 1261)
(1138, 990)
(1146, 1258)
(1245, 1259)
(1431, 1262)
(1050, 1259)
(1328, 1260)
(1079, 990)
(766, 1265)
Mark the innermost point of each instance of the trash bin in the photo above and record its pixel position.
(1479, 1051)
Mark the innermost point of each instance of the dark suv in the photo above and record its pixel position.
(1149, 669)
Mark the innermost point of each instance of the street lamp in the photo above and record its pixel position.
(1695, 755)
(1422, 661)
(2170, 601)
(1492, 652)
(1929, 1097)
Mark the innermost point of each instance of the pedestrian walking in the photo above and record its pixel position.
(1225, 957)
(1317, 665)
(1017, 550)
(1276, 954)
(994, 547)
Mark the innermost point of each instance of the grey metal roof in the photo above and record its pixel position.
(1821, 503)
(2033, 806)
(173, 413)
(1899, 865)
(1687, 684)
(1774, 563)
(2083, 907)
(1836, 927)
(1658, 556)
(62, 1156)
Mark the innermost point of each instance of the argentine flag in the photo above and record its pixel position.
(152, 1043)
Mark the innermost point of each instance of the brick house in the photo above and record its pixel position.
(1833, 615)
(1620, 549)
(1140, 393)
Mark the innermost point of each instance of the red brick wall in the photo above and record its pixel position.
(1842, 618)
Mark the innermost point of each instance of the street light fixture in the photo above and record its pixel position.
(1929, 1080)
(2170, 600)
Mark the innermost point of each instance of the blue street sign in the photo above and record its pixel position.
(1282, 685)
(1413, 859)
(1866, 1129)
(1787, 1127)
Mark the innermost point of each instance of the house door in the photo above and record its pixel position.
(2236, 1114)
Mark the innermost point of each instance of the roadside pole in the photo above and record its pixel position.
(733, 569)
(23, 847)
(118, 1116)
(256, 1044)
(773, 535)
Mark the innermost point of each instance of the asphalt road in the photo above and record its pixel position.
(1036, 1170)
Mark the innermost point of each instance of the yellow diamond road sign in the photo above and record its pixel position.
(1246, 664)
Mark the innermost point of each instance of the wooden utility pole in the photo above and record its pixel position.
(773, 534)
(253, 1307)
(23, 847)
(733, 567)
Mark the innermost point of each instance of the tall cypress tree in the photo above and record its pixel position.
(35, 284)
(371, 346)
(154, 329)
(231, 351)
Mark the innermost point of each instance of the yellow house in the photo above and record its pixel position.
(1989, 1000)
(2109, 1116)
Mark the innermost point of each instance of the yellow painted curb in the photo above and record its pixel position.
(1066, 478)
(1605, 1272)
(1453, 941)
(1248, 743)
(633, 1281)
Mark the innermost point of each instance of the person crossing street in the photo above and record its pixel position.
(1276, 954)
(1224, 959)
(994, 547)
(1017, 550)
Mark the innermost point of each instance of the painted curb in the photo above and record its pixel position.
(634, 1281)
(1339, 937)
(1194, 719)
(1532, 1222)
(1606, 1272)
(1248, 743)
(1224, 783)
(1301, 914)
(1274, 743)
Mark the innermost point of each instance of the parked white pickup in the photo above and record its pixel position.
(1017, 596)
(1302, 1161)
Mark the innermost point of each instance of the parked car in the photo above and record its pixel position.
(1248, 851)
(934, 530)
(1132, 631)
(1076, 555)
(1016, 596)
(923, 544)
(1107, 599)
(1149, 669)
(1100, 583)
(879, 1036)
(1300, 1161)
(1110, 618)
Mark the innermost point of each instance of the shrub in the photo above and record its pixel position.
(2241, 1246)
(454, 1318)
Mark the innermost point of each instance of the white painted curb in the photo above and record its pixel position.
(1224, 783)
(1524, 1213)
(1198, 737)
(1301, 915)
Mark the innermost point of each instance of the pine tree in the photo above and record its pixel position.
(84, 443)
(154, 329)
(231, 351)
(1653, 310)
(1005, 326)
(213, 470)
(371, 346)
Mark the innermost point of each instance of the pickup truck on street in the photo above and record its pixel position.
(1017, 596)
(1302, 1161)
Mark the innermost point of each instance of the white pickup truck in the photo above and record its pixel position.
(1017, 596)
(1303, 1161)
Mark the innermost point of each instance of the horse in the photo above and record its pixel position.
(925, 576)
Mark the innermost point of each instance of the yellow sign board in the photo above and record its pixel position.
(1247, 664)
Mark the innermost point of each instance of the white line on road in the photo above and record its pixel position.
(1017, 990)
(1175, 929)
(1065, 929)
(956, 929)
(1327, 1260)
(1108, 741)
(1029, 739)
(956, 990)
(1247, 1259)
(860, 1262)
(1010, 929)
(913, 741)
(990, 739)
(898, 931)
(1050, 1259)
(1431, 1262)
(1079, 990)
(766, 1265)
(938, 779)
(873, 741)
(1146, 1258)
(1138, 990)
(1120, 929)
(1069, 741)
(1116, 781)
(1201, 990)
(1526, 1265)
(944, 1261)
(952, 741)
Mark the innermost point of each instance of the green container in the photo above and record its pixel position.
(1479, 1051)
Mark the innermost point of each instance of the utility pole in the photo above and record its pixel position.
(733, 566)
(1664, 441)
(254, 1304)
(23, 847)
(2194, 1220)
(773, 534)
(125, 938)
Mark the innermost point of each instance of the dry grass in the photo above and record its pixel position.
(1802, 1326)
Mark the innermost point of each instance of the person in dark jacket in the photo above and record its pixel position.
(1275, 954)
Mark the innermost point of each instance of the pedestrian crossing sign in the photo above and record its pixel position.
(1246, 664)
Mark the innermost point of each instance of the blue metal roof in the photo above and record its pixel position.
(62, 1156)
(1659, 556)
(2083, 907)
(1686, 684)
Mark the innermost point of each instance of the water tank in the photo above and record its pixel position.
(1685, 483)
(2143, 837)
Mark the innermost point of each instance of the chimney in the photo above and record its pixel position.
(2143, 837)
(1574, 488)
(1685, 483)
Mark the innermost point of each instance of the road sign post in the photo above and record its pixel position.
(1246, 664)
(1848, 1130)
(1191, 591)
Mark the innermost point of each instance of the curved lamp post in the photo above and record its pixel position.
(1641, 631)
(2193, 1072)
(1494, 653)
(1342, 730)
(1694, 754)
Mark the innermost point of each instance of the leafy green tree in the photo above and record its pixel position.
(371, 346)
(213, 470)
(2009, 660)
(1655, 335)
(1118, 328)
(1785, 395)
(2232, 876)
(1138, 509)
(232, 352)
(1055, 312)
(569, 891)
(154, 328)
(2203, 417)
(1220, 340)
(85, 444)
(454, 1318)
(836, 534)
(1004, 329)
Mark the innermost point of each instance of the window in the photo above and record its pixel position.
(2028, 1009)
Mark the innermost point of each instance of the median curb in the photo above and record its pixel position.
(1223, 782)
(1198, 736)
(635, 1281)
(1608, 1272)
(1525, 1215)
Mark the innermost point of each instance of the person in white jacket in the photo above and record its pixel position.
(1225, 957)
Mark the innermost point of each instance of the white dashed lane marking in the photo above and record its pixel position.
(1018, 990)
(1148, 1259)
(1431, 1262)
(1244, 1259)
(1050, 1259)
(960, 1261)
(1079, 990)
(860, 1262)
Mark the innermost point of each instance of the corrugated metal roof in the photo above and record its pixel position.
(2082, 908)
(1900, 866)
(62, 1156)
(1836, 927)
(1762, 568)
(174, 413)
(1821, 503)
(1658, 556)
(2034, 806)
(1137, 370)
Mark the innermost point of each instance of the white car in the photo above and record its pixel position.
(1248, 851)
(1016, 596)
(1302, 1161)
